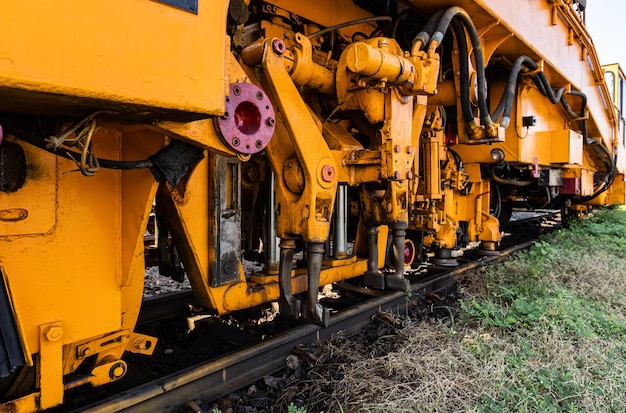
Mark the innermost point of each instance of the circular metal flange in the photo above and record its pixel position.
(445, 262)
(487, 249)
(248, 123)
(443, 258)
(487, 253)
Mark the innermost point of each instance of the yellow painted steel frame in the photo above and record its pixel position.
(188, 217)
(95, 54)
(564, 51)
(74, 263)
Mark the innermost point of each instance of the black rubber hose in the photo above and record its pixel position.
(350, 23)
(442, 28)
(466, 104)
(552, 95)
(457, 159)
(429, 27)
(583, 112)
(506, 102)
(539, 85)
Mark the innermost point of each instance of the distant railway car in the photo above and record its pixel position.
(616, 83)
(324, 139)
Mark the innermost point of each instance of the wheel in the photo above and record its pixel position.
(412, 250)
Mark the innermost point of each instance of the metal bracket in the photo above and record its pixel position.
(50, 379)
(102, 344)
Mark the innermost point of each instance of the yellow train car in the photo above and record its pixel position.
(616, 83)
(359, 132)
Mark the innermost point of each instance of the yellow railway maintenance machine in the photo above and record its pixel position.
(327, 139)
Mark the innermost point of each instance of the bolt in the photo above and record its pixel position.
(117, 370)
(409, 150)
(139, 344)
(328, 173)
(278, 46)
(235, 141)
(236, 91)
(259, 95)
(270, 121)
(258, 144)
(226, 115)
(397, 148)
(53, 333)
(85, 352)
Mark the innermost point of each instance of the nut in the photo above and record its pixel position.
(53, 333)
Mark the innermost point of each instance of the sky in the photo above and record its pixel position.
(606, 22)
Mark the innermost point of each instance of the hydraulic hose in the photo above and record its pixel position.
(551, 94)
(504, 181)
(466, 104)
(583, 111)
(506, 102)
(423, 37)
(350, 23)
(457, 158)
(437, 37)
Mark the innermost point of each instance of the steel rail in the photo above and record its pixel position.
(158, 307)
(213, 379)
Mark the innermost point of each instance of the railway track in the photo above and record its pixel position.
(214, 378)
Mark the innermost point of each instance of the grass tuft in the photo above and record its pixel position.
(543, 331)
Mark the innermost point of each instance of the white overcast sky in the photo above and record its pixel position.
(606, 22)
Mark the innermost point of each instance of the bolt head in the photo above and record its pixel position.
(117, 370)
(328, 173)
(278, 46)
(53, 333)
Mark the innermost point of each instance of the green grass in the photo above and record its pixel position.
(559, 312)
(544, 331)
